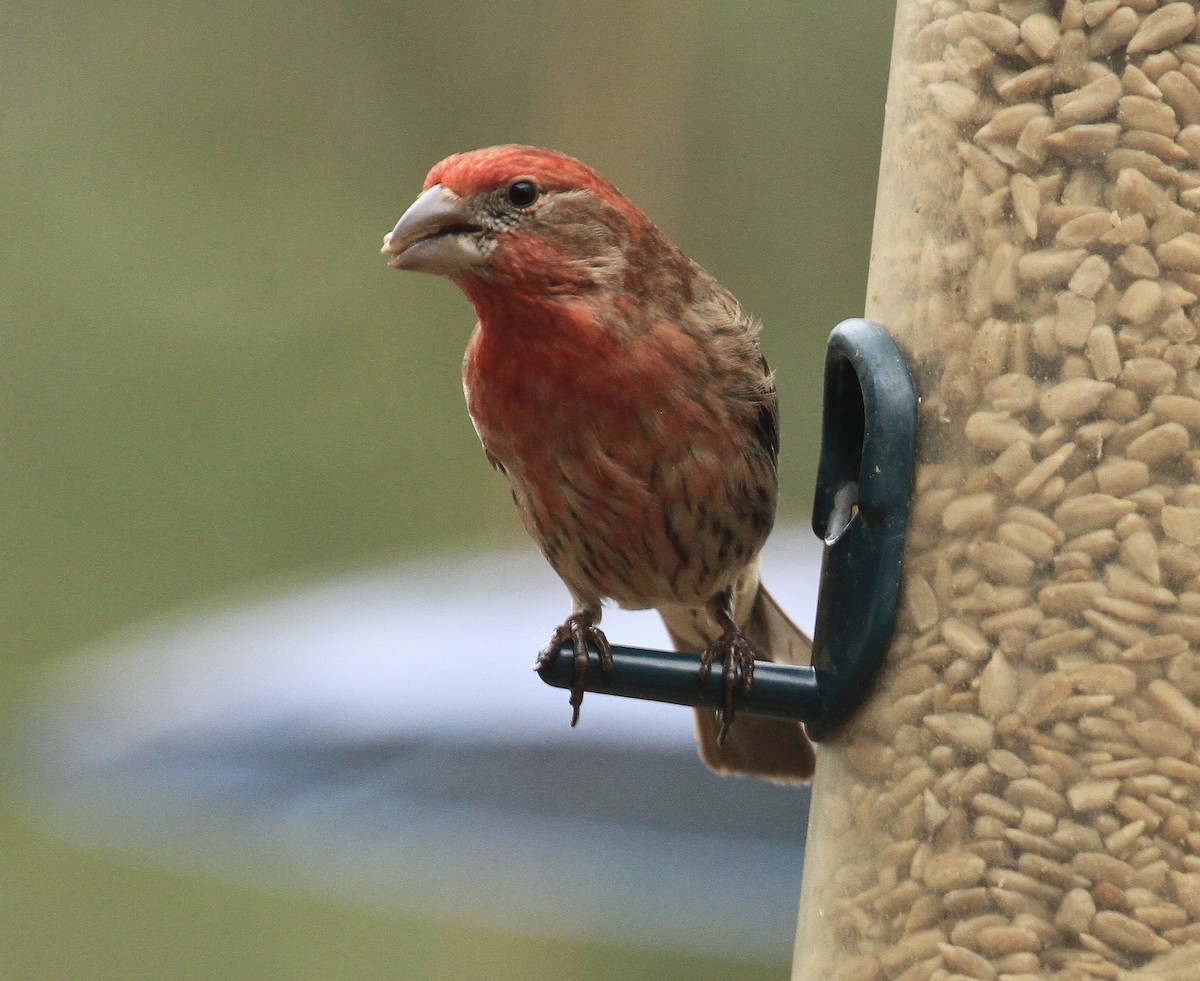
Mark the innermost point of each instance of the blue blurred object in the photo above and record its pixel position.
(384, 739)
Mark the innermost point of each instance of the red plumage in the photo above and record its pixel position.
(623, 393)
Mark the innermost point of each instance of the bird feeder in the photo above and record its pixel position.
(1017, 798)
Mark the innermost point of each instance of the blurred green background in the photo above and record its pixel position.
(210, 379)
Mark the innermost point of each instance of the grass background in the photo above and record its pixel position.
(209, 379)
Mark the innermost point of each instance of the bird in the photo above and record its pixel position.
(623, 393)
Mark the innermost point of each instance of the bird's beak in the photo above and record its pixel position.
(437, 234)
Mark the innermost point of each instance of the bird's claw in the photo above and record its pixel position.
(580, 631)
(737, 656)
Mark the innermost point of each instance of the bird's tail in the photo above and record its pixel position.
(770, 748)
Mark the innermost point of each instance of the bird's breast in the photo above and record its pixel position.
(637, 483)
(561, 388)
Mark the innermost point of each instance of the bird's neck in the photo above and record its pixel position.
(535, 319)
(537, 374)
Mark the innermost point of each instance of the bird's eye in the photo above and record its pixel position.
(522, 194)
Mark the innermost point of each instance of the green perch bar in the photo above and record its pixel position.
(779, 691)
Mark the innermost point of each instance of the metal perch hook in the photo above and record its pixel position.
(860, 512)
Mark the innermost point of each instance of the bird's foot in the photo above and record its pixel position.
(580, 631)
(737, 656)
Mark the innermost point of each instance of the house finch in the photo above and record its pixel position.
(622, 392)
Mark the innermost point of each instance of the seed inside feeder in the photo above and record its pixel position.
(1020, 798)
